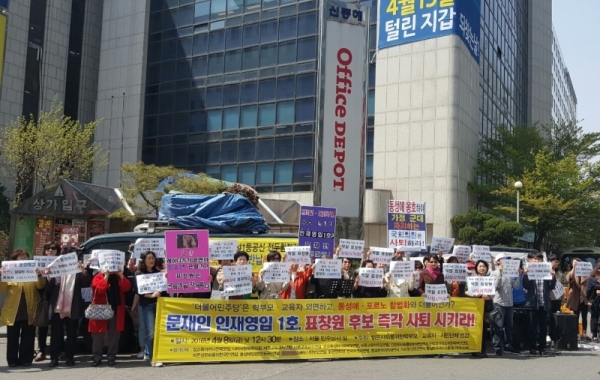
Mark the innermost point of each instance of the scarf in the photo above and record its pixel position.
(113, 294)
(434, 273)
(65, 296)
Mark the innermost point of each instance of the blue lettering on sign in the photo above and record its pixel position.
(191, 323)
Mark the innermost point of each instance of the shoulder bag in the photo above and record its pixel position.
(99, 312)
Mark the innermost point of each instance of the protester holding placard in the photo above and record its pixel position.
(555, 299)
(108, 288)
(419, 268)
(241, 258)
(398, 288)
(503, 303)
(368, 291)
(431, 275)
(67, 308)
(297, 288)
(577, 301)
(481, 269)
(455, 288)
(593, 297)
(18, 314)
(271, 290)
(521, 315)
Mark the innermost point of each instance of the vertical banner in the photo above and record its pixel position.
(407, 229)
(317, 229)
(187, 261)
(42, 235)
(342, 123)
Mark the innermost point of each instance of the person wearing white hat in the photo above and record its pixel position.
(503, 302)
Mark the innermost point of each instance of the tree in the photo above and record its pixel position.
(477, 227)
(40, 152)
(4, 210)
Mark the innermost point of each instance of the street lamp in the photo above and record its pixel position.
(518, 186)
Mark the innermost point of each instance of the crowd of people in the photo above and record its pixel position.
(519, 314)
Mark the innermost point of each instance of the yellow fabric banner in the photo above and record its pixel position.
(258, 248)
(199, 330)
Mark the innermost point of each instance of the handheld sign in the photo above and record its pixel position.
(539, 271)
(19, 271)
(222, 249)
(510, 268)
(462, 253)
(44, 261)
(156, 245)
(111, 260)
(328, 268)
(298, 254)
(402, 270)
(352, 249)
(64, 265)
(436, 293)
(187, 261)
(381, 255)
(370, 277)
(559, 290)
(440, 244)
(151, 282)
(93, 256)
(455, 272)
(86, 294)
(482, 252)
(583, 268)
(481, 285)
(237, 280)
(276, 272)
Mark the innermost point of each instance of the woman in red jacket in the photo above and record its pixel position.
(297, 288)
(108, 288)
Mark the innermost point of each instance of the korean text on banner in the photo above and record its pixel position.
(402, 270)
(455, 272)
(19, 271)
(370, 277)
(237, 280)
(151, 282)
(201, 330)
(381, 255)
(328, 268)
(510, 268)
(65, 265)
(352, 249)
(276, 272)
(436, 293)
(481, 285)
(462, 253)
(44, 261)
(258, 248)
(441, 244)
(222, 249)
(406, 225)
(112, 260)
(317, 230)
(298, 255)
(539, 271)
(482, 252)
(583, 268)
(187, 261)
(156, 245)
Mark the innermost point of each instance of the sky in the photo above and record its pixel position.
(576, 25)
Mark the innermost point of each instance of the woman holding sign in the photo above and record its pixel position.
(271, 290)
(431, 275)
(481, 269)
(18, 313)
(577, 300)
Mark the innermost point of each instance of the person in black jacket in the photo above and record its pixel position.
(367, 291)
(593, 298)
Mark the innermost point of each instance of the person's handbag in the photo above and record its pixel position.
(491, 316)
(42, 314)
(99, 312)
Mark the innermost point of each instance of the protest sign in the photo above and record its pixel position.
(539, 271)
(455, 272)
(298, 254)
(112, 260)
(436, 293)
(559, 290)
(93, 256)
(151, 282)
(481, 285)
(583, 268)
(440, 244)
(351, 249)
(510, 268)
(462, 253)
(328, 268)
(276, 272)
(222, 249)
(44, 261)
(64, 265)
(402, 270)
(370, 277)
(482, 252)
(316, 230)
(237, 280)
(407, 228)
(86, 294)
(381, 255)
(19, 271)
(187, 261)
(156, 245)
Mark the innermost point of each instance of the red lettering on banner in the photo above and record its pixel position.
(343, 85)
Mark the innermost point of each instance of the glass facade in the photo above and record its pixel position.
(564, 100)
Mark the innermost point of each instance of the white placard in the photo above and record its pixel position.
(381, 255)
(222, 249)
(64, 265)
(352, 249)
(455, 272)
(370, 277)
(94, 257)
(436, 293)
(481, 252)
(19, 271)
(583, 268)
(111, 260)
(276, 272)
(481, 285)
(402, 270)
(156, 245)
(462, 253)
(510, 268)
(441, 244)
(298, 254)
(86, 294)
(44, 261)
(328, 268)
(151, 282)
(237, 280)
(559, 290)
(539, 271)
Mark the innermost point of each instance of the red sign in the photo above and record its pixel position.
(69, 236)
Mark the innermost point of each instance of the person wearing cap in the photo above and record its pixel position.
(503, 303)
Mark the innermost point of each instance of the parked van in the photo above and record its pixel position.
(589, 254)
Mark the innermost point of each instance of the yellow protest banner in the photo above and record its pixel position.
(199, 330)
(258, 248)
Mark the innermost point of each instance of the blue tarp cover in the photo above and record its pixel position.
(222, 213)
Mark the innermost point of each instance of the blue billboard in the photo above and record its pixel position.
(405, 21)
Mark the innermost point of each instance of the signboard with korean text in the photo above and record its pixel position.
(482, 252)
(352, 249)
(462, 253)
(69, 236)
(111, 260)
(258, 248)
(342, 108)
(276, 272)
(202, 330)
(151, 282)
(539, 271)
(187, 261)
(317, 230)
(237, 280)
(510, 268)
(44, 261)
(402, 22)
(402, 270)
(436, 293)
(328, 268)
(441, 244)
(455, 272)
(43, 234)
(222, 249)
(583, 268)
(381, 255)
(370, 277)
(407, 229)
(156, 245)
(19, 271)
(298, 255)
(481, 285)
(64, 265)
